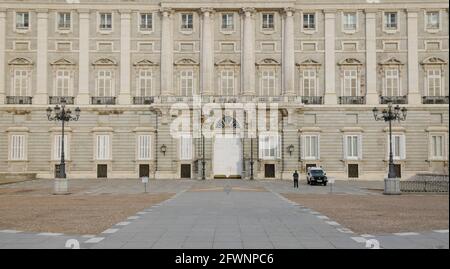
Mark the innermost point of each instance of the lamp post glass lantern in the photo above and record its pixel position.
(62, 114)
(388, 115)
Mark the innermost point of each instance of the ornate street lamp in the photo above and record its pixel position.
(62, 114)
(390, 115)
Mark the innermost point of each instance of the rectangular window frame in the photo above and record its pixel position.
(308, 148)
(358, 150)
(267, 21)
(144, 147)
(101, 83)
(148, 25)
(102, 25)
(145, 75)
(186, 24)
(67, 21)
(103, 147)
(432, 147)
(227, 23)
(18, 147)
(184, 82)
(346, 24)
(22, 24)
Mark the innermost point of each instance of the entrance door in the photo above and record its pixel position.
(102, 171)
(144, 170)
(308, 165)
(185, 170)
(398, 170)
(353, 171)
(57, 170)
(227, 157)
(269, 170)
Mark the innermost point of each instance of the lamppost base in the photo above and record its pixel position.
(61, 186)
(392, 186)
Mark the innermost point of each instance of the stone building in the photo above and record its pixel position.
(125, 63)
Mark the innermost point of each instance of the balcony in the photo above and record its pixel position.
(352, 100)
(434, 100)
(143, 100)
(18, 100)
(225, 99)
(103, 100)
(312, 100)
(56, 100)
(402, 100)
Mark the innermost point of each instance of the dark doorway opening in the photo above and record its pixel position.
(144, 170)
(185, 171)
(353, 171)
(269, 170)
(308, 165)
(398, 170)
(57, 170)
(102, 171)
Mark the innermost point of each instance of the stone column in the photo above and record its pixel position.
(371, 58)
(207, 53)
(83, 58)
(330, 59)
(125, 62)
(248, 52)
(2, 55)
(288, 53)
(413, 59)
(41, 94)
(166, 52)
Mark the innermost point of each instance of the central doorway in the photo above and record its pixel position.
(227, 157)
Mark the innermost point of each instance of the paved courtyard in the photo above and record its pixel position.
(230, 214)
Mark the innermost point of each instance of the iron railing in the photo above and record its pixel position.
(425, 183)
(143, 100)
(103, 100)
(18, 100)
(56, 100)
(312, 100)
(402, 100)
(434, 100)
(352, 100)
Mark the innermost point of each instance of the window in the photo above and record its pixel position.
(268, 83)
(64, 20)
(227, 22)
(146, 23)
(57, 149)
(269, 146)
(311, 147)
(227, 82)
(187, 21)
(392, 82)
(434, 80)
(268, 21)
(432, 20)
(105, 21)
(20, 83)
(349, 21)
(145, 83)
(398, 147)
(352, 147)
(185, 147)
(390, 20)
(309, 21)
(62, 83)
(144, 147)
(186, 82)
(22, 20)
(350, 82)
(103, 147)
(17, 148)
(104, 83)
(309, 82)
(437, 146)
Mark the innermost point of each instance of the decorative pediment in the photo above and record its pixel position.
(186, 61)
(145, 62)
(63, 61)
(434, 61)
(104, 61)
(227, 122)
(350, 61)
(309, 62)
(20, 61)
(268, 61)
(392, 61)
(226, 62)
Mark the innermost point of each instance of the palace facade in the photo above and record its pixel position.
(324, 65)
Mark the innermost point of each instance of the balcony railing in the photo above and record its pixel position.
(394, 99)
(434, 100)
(56, 100)
(352, 100)
(103, 100)
(143, 100)
(312, 100)
(18, 100)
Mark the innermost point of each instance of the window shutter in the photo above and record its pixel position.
(318, 147)
(260, 147)
(303, 140)
(360, 151)
(403, 146)
(279, 146)
(344, 144)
